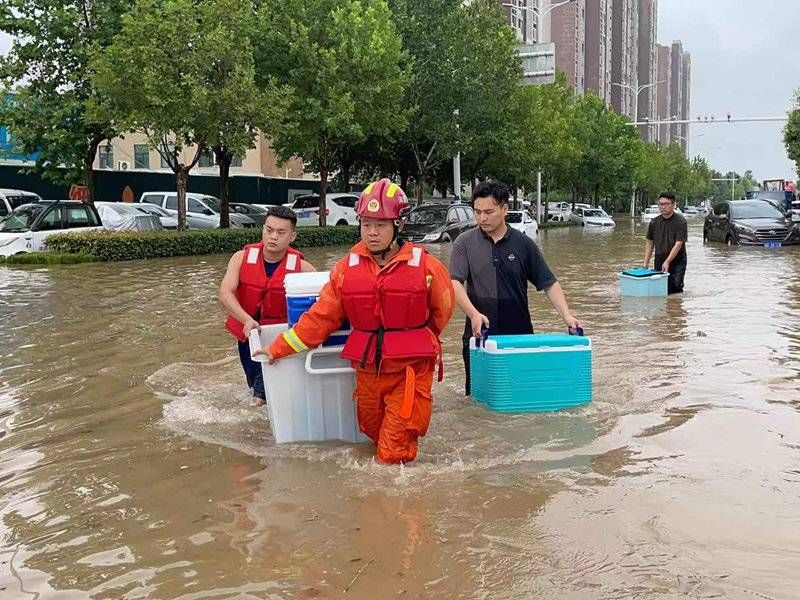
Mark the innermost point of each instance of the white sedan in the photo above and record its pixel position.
(592, 216)
(523, 222)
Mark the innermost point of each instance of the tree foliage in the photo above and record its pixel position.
(343, 63)
(791, 132)
(182, 72)
(48, 67)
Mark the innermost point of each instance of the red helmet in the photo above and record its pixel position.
(383, 200)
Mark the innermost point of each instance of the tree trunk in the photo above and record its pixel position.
(182, 178)
(224, 160)
(88, 168)
(323, 191)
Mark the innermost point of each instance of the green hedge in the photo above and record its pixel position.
(556, 224)
(47, 258)
(112, 246)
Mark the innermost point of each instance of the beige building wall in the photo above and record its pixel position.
(132, 153)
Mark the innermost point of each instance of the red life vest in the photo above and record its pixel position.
(388, 311)
(260, 296)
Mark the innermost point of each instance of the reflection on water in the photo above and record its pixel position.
(132, 465)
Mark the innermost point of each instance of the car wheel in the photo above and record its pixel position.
(341, 223)
(583, 224)
(730, 241)
(445, 238)
(705, 236)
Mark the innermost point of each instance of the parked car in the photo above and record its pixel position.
(202, 211)
(750, 222)
(438, 222)
(11, 199)
(167, 220)
(28, 226)
(652, 211)
(341, 209)
(117, 216)
(522, 221)
(690, 211)
(592, 216)
(257, 212)
(561, 211)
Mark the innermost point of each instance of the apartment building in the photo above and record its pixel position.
(568, 31)
(599, 19)
(624, 56)
(647, 64)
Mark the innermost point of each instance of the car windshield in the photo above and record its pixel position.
(346, 201)
(755, 210)
(593, 213)
(21, 218)
(16, 201)
(514, 217)
(427, 216)
(212, 203)
(773, 195)
(651, 210)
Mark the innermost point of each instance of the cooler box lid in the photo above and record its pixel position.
(641, 272)
(305, 284)
(539, 340)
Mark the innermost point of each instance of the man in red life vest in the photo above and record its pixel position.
(398, 299)
(252, 290)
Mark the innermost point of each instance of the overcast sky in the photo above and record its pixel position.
(746, 61)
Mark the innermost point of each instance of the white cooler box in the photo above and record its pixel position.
(309, 395)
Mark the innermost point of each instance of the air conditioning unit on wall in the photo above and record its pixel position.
(123, 165)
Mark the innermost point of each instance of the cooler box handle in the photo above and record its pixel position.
(329, 371)
(577, 331)
(255, 344)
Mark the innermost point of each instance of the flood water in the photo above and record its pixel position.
(132, 466)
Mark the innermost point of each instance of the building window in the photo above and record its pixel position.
(206, 159)
(106, 157)
(164, 163)
(141, 156)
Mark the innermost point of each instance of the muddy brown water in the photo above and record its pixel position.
(132, 466)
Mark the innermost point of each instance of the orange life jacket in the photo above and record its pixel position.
(388, 312)
(262, 297)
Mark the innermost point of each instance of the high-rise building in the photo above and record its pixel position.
(676, 90)
(663, 110)
(598, 48)
(647, 66)
(686, 83)
(524, 19)
(568, 31)
(624, 56)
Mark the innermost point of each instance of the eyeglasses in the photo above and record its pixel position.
(665, 203)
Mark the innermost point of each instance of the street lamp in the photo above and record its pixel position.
(636, 90)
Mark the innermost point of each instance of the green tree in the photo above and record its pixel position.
(465, 72)
(610, 149)
(174, 72)
(791, 132)
(343, 62)
(49, 61)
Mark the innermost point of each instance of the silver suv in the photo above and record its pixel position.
(202, 211)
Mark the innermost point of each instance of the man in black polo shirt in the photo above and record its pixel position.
(667, 234)
(491, 266)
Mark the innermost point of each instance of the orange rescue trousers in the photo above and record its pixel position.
(394, 409)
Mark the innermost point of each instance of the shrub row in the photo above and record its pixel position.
(47, 258)
(113, 246)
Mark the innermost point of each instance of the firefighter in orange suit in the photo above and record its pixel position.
(398, 299)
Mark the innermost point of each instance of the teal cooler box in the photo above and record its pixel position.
(531, 373)
(643, 283)
(302, 291)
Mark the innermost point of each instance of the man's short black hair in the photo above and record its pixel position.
(668, 196)
(282, 212)
(493, 189)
